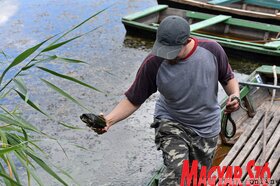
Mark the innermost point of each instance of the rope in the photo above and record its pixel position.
(278, 35)
(266, 113)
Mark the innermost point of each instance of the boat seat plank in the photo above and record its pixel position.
(222, 2)
(273, 45)
(208, 22)
(145, 12)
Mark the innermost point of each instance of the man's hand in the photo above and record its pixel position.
(99, 131)
(232, 104)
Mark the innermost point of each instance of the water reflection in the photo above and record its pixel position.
(7, 9)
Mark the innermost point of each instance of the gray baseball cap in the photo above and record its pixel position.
(172, 34)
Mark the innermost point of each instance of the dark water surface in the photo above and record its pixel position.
(126, 155)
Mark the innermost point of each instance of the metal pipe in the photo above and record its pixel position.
(260, 85)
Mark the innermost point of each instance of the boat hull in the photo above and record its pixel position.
(240, 38)
(252, 12)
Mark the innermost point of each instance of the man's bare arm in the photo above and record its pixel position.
(124, 109)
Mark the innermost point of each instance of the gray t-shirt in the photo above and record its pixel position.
(188, 90)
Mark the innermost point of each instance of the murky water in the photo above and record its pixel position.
(124, 156)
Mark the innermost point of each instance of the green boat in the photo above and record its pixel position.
(257, 10)
(240, 37)
(256, 94)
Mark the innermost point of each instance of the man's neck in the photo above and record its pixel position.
(188, 48)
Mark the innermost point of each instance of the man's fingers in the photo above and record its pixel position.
(231, 105)
(231, 108)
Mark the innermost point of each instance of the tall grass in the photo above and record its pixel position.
(18, 144)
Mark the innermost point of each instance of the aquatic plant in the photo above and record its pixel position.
(18, 144)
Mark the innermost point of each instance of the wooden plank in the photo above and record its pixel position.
(274, 162)
(273, 44)
(271, 146)
(250, 144)
(145, 12)
(209, 22)
(222, 2)
(276, 175)
(256, 153)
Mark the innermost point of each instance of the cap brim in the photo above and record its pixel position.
(166, 52)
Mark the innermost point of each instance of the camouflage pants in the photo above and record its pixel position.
(177, 144)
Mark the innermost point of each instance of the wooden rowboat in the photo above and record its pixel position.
(256, 95)
(257, 10)
(247, 37)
